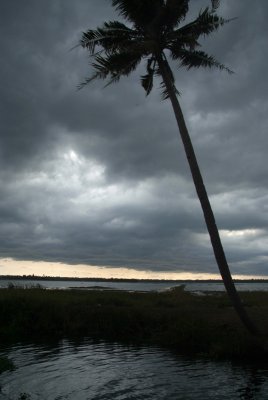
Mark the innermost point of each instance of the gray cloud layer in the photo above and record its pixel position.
(99, 176)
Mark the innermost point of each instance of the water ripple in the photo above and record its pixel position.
(109, 371)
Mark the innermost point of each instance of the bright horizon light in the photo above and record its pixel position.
(9, 266)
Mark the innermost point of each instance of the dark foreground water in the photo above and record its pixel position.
(101, 371)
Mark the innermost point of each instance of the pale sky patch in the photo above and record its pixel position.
(16, 267)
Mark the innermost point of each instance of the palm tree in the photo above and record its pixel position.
(153, 30)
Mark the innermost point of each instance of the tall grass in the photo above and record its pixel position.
(178, 319)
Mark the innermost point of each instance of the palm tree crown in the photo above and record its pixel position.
(117, 48)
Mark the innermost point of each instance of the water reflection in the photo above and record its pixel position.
(253, 388)
(109, 371)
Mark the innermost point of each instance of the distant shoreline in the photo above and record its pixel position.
(96, 279)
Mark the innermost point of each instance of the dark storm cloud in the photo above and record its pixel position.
(99, 175)
(34, 41)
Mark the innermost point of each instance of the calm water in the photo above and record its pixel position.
(143, 286)
(101, 371)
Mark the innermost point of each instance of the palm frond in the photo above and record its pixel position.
(140, 12)
(113, 66)
(215, 4)
(88, 80)
(197, 59)
(176, 40)
(147, 80)
(113, 35)
(175, 12)
(206, 23)
(165, 93)
(90, 39)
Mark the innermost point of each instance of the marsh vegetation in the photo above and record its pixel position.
(177, 319)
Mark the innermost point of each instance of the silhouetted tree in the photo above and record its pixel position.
(153, 30)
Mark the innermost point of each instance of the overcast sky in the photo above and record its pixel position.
(99, 176)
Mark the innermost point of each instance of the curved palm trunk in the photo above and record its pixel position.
(204, 200)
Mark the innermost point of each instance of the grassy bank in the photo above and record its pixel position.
(191, 324)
